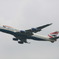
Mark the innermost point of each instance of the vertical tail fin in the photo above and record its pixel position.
(53, 34)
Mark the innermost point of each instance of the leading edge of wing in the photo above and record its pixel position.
(38, 28)
(44, 26)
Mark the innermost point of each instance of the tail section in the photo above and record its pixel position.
(54, 36)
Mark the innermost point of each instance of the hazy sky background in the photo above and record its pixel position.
(25, 14)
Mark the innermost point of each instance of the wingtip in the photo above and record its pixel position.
(50, 23)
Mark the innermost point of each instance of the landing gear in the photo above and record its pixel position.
(23, 42)
(52, 41)
(15, 39)
(20, 42)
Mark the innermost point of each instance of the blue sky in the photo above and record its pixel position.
(25, 14)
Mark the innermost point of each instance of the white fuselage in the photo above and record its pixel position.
(41, 37)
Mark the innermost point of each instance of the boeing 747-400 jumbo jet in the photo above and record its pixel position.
(22, 36)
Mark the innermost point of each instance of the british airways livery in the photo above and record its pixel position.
(22, 36)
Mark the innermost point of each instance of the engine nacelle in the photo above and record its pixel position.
(22, 31)
(15, 39)
(34, 29)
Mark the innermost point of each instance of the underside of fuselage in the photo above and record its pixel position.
(37, 39)
(7, 31)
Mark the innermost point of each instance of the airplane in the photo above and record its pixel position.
(22, 35)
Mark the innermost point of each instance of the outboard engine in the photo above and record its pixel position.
(35, 29)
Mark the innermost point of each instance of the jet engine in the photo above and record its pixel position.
(22, 31)
(34, 29)
(15, 39)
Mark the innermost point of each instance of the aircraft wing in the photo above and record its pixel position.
(38, 28)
